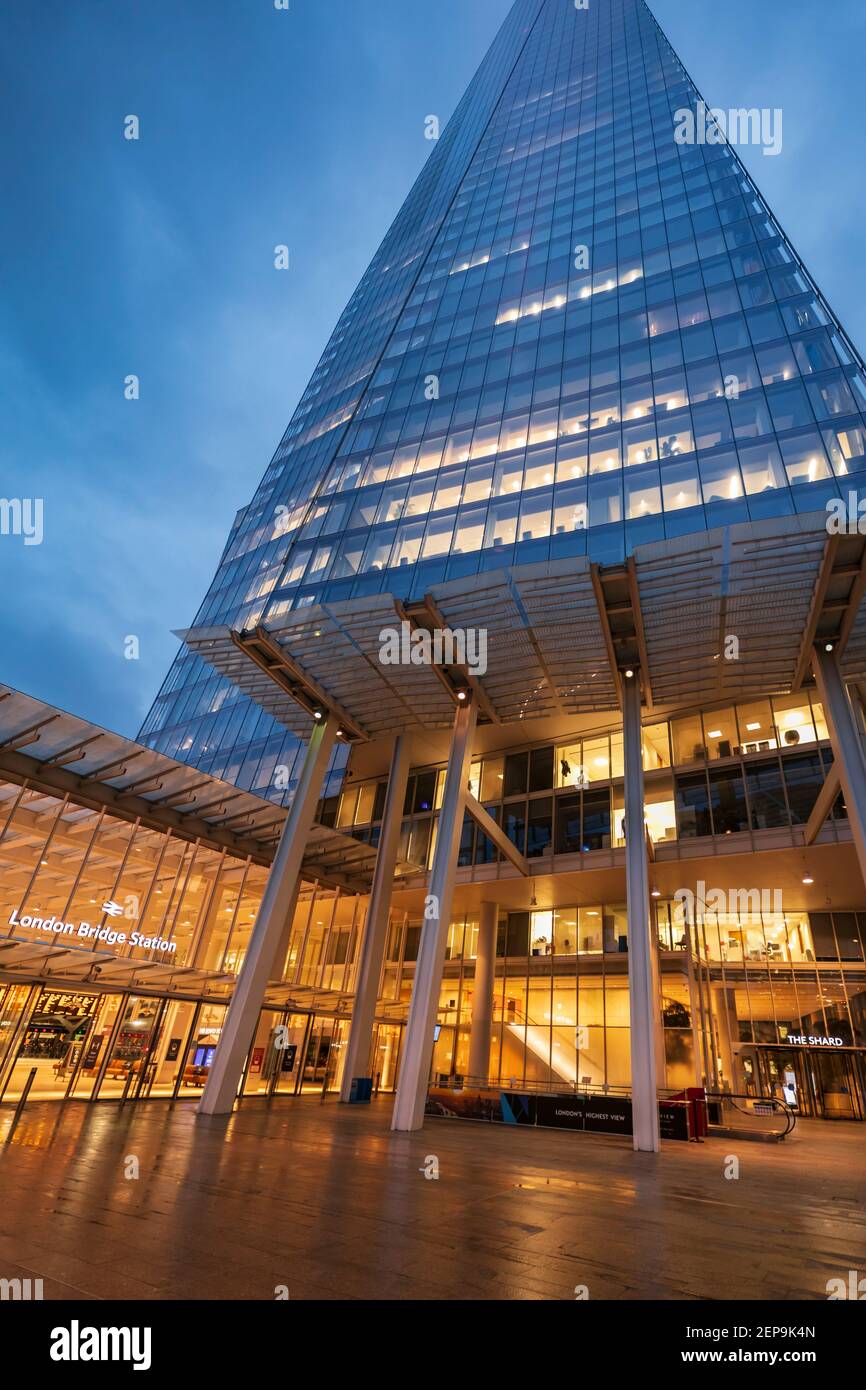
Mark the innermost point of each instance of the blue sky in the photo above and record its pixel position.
(155, 257)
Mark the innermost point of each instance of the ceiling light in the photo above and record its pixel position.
(807, 879)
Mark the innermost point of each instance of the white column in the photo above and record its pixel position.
(642, 956)
(847, 745)
(357, 1059)
(482, 993)
(221, 1088)
(417, 1053)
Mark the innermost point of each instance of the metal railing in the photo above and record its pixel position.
(752, 1117)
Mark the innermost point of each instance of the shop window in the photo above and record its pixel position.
(728, 802)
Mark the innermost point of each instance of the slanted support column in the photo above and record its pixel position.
(642, 956)
(847, 745)
(221, 1087)
(482, 994)
(357, 1060)
(417, 1052)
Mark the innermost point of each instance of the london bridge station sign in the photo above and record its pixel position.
(111, 935)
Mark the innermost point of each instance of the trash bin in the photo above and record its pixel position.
(361, 1090)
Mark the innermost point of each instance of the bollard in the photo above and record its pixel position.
(21, 1103)
(129, 1079)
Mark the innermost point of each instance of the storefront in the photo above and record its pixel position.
(824, 1082)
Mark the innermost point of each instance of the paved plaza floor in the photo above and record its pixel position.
(323, 1200)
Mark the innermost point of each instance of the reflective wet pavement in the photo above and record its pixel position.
(323, 1199)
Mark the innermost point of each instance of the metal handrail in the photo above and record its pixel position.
(781, 1105)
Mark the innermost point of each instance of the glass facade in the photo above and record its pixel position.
(744, 768)
(578, 335)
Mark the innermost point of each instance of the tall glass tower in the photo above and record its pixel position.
(582, 332)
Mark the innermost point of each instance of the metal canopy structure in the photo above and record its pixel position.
(75, 965)
(60, 755)
(724, 615)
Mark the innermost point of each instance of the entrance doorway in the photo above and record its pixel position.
(826, 1084)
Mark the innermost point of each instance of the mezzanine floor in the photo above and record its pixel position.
(325, 1199)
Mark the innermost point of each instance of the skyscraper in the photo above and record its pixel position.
(584, 331)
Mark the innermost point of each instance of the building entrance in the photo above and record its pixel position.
(824, 1083)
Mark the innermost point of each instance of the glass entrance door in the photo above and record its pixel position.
(839, 1082)
(818, 1083)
